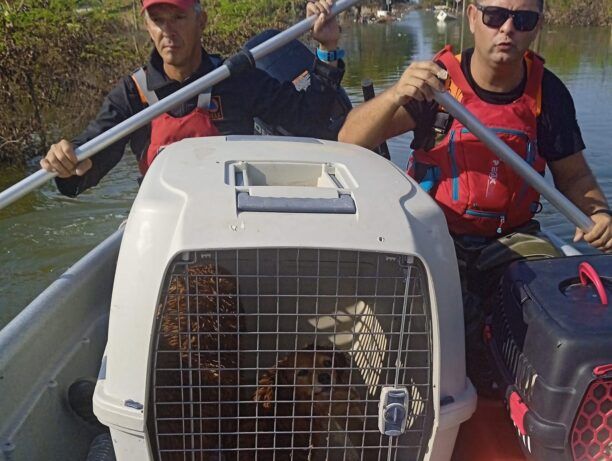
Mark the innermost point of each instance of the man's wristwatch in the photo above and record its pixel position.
(330, 56)
(607, 211)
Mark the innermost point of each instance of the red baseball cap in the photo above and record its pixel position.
(182, 4)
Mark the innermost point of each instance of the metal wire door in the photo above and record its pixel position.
(286, 353)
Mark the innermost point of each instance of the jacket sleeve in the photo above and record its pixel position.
(303, 113)
(117, 106)
(559, 134)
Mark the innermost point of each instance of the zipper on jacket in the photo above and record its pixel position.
(502, 220)
(454, 169)
(501, 217)
(530, 159)
(529, 156)
(501, 131)
(484, 214)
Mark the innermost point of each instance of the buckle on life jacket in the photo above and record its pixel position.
(442, 122)
(430, 179)
(536, 207)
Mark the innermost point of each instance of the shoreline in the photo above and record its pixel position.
(579, 13)
(67, 65)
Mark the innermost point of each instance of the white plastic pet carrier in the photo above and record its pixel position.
(280, 298)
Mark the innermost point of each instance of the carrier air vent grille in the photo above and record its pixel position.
(282, 354)
(592, 430)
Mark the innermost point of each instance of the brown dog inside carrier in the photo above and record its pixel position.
(291, 353)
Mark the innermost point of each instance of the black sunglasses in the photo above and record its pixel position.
(496, 16)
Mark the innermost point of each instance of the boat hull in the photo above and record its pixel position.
(56, 340)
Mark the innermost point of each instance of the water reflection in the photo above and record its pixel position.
(44, 233)
(378, 51)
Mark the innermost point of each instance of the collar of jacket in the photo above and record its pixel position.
(157, 78)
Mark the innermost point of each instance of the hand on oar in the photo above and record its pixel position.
(326, 30)
(600, 236)
(419, 81)
(62, 160)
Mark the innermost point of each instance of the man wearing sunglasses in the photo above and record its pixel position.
(507, 88)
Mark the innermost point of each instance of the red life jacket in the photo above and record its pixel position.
(479, 194)
(167, 129)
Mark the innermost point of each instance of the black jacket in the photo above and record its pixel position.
(240, 98)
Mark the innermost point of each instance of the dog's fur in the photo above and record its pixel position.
(199, 330)
(307, 404)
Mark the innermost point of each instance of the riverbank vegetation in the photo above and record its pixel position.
(54, 60)
(58, 58)
(233, 22)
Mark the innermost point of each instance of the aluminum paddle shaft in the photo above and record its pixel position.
(501, 149)
(145, 116)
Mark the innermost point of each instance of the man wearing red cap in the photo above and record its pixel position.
(177, 60)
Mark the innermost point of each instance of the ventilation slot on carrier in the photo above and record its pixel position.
(591, 432)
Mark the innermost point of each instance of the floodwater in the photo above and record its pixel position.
(44, 233)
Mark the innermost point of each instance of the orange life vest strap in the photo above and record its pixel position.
(143, 98)
(535, 70)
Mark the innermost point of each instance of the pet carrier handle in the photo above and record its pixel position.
(587, 273)
(140, 119)
(344, 204)
(602, 370)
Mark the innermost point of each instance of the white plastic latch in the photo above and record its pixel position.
(393, 410)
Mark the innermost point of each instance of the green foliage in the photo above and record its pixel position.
(232, 22)
(232, 14)
(56, 57)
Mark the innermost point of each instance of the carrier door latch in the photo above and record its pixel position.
(393, 410)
